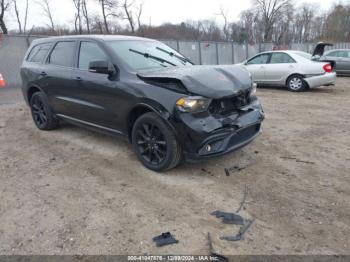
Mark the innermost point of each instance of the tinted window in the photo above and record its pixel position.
(63, 54)
(281, 58)
(90, 52)
(38, 53)
(261, 59)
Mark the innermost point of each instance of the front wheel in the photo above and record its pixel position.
(155, 143)
(296, 84)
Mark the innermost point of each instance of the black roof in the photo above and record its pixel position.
(96, 37)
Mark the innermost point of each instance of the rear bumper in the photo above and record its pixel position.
(208, 137)
(322, 80)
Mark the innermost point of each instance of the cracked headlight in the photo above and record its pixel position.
(193, 104)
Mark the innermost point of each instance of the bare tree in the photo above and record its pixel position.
(78, 21)
(225, 28)
(17, 16)
(271, 11)
(139, 15)
(45, 5)
(108, 7)
(4, 6)
(26, 17)
(127, 5)
(86, 15)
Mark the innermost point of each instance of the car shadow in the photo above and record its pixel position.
(110, 145)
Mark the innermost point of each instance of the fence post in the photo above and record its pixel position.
(246, 51)
(217, 53)
(177, 45)
(200, 52)
(233, 52)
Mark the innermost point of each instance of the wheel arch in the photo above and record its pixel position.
(295, 74)
(31, 91)
(141, 109)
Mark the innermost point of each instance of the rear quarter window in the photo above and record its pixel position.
(63, 54)
(38, 53)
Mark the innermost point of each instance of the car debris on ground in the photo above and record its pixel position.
(238, 167)
(298, 160)
(235, 219)
(229, 218)
(214, 254)
(241, 232)
(165, 239)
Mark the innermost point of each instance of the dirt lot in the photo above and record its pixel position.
(72, 191)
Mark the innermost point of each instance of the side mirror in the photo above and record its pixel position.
(102, 67)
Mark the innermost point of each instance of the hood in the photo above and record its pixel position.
(208, 81)
(320, 48)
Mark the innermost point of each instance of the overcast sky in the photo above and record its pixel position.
(155, 11)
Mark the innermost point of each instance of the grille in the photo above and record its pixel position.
(244, 135)
(228, 105)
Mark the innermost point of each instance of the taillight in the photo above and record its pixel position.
(2, 81)
(327, 68)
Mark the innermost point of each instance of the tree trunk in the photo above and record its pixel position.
(3, 8)
(17, 16)
(104, 16)
(86, 16)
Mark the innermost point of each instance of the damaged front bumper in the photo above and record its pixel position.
(207, 136)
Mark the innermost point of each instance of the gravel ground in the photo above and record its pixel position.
(72, 191)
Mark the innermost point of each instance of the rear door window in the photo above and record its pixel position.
(89, 52)
(334, 53)
(260, 59)
(63, 54)
(38, 53)
(281, 58)
(343, 54)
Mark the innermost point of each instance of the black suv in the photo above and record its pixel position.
(139, 88)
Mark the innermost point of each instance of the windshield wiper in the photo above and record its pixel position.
(147, 55)
(183, 59)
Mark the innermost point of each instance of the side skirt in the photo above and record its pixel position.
(92, 126)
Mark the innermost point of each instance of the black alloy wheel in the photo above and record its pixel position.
(151, 143)
(42, 114)
(155, 143)
(39, 114)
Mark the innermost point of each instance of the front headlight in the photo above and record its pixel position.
(253, 90)
(193, 104)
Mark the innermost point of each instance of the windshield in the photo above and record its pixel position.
(140, 55)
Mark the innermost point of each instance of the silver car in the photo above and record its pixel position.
(292, 69)
(342, 59)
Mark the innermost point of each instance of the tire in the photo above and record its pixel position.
(155, 143)
(296, 83)
(42, 114)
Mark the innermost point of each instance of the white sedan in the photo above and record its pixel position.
(293, 69)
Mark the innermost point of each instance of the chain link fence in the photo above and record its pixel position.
(13, 48)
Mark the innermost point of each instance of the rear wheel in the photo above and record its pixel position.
(42, 114)
(296, 83)
(155, 143)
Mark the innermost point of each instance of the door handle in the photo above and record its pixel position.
(78, 78)
(43, 73)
